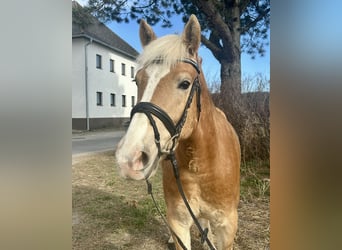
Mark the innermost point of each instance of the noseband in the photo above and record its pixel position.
(150, 109)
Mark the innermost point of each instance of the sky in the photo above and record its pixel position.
(211, 67)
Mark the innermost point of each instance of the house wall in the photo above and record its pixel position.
(78, 78)
(104, 81)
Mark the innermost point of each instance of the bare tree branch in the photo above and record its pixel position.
(215, 19)
(217, 51)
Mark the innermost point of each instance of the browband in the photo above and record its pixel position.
(192, 62)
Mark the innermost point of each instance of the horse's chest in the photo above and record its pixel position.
(204, 207)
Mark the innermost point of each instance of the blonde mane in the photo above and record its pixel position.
(166, 50)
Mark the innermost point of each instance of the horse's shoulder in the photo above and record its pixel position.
(222, 123)
(221, 117)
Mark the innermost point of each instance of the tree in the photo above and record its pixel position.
(80, 16)
(223, 24)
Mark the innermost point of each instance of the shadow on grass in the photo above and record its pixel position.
(104, 220)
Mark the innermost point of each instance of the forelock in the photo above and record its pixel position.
(167, 50)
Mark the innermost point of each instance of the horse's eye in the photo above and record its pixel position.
(184, 85)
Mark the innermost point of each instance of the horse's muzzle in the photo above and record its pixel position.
(136, 167)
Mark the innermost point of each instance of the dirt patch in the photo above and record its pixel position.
(112, 213)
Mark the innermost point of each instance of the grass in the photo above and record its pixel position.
(112, 213)
(255, 180)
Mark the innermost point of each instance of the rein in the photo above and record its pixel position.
(150, 109)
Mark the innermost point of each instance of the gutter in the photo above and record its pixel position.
(86, 80)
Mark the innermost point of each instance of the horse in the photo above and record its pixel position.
(205, 145)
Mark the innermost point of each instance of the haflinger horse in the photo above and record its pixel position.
(167, 119)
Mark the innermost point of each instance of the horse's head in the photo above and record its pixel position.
(166, 77)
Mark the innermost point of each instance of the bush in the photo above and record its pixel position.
(249, 114)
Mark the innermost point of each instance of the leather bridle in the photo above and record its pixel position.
(174, 130)
(150, 110)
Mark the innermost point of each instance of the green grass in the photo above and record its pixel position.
(255, 180)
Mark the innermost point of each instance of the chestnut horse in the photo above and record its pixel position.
(205, 144)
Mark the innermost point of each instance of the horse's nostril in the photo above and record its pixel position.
(144, 158)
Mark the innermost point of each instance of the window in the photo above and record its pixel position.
(123, 69)
(132, 72)
(111, 65)
(99, 98)
(98, 61)
(112, 100)
(133, 101)
(123, 101)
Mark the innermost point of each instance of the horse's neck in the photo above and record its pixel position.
(202, 136)
(206, 124)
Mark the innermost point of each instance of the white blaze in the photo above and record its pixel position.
(155, 72)
(140, 137)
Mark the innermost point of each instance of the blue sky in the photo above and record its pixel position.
(130, 33)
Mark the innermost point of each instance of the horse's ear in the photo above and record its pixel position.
(192, 35)
(146, 33)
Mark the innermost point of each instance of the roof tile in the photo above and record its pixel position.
(100, 32)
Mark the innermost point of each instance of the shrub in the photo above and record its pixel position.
(249, 114)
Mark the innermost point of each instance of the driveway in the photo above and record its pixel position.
(95, 141)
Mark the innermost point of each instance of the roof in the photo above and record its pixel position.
(100, 33)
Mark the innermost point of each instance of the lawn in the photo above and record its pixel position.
(112, 213)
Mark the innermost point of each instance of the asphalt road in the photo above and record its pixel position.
(97, 141)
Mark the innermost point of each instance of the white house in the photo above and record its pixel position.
(103, 69)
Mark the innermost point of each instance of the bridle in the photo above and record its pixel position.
(174, 130)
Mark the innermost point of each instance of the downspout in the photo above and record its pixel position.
(86, 82)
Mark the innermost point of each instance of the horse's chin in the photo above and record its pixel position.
(132, 174)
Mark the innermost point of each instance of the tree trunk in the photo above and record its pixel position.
(230, 78)
(230, 94)
(231, 65)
